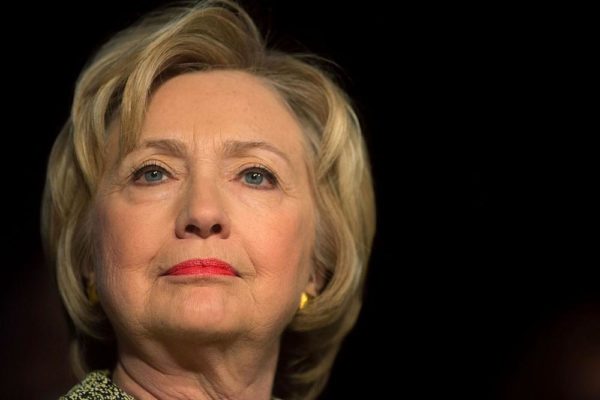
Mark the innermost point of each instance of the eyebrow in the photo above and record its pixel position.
(169, 146)
(234, 148)
(231, 148)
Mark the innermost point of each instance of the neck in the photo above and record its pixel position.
(210, 372)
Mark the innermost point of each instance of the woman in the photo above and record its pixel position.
(209, 211)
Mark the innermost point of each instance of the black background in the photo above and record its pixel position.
(476, 120)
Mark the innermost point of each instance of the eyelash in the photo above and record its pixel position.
(148, 166)
(269, 175)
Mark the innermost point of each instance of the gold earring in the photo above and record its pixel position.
(92, 294)
(303, 300)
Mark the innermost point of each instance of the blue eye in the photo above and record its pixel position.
(153, 176)
(259, 178)
(253, 178)
(150, 174)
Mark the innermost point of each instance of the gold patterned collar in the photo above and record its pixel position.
(97, 385)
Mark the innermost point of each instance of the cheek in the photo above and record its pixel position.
(280, 244)
(129, 237)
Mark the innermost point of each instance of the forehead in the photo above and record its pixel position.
(221, 105)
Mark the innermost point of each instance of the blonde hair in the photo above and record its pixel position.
(117, 85)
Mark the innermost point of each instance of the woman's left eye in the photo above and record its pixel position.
(259, 177)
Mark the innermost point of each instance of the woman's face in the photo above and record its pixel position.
(220, 172)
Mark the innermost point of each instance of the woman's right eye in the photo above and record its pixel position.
(152, 174)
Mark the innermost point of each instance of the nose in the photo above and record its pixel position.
(202, 213)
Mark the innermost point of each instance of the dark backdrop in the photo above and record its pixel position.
(483, 278)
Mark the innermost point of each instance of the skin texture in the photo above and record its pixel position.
(194, 188)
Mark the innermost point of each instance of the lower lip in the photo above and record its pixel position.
(206, 266)
(201, 271)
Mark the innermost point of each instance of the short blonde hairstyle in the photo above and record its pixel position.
(117, 85)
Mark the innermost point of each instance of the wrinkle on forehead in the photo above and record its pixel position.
(181, 107)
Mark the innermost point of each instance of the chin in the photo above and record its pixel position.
(205, 314)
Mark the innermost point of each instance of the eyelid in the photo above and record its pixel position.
(137, 172)
(270, 175)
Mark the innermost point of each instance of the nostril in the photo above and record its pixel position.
(195, 230)
(192, 229)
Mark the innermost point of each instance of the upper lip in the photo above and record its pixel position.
(200, 263)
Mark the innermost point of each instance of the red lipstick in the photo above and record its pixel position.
(202, 266)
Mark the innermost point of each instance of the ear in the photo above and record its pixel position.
(91, 276)
(88, 273)
(315, 284)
